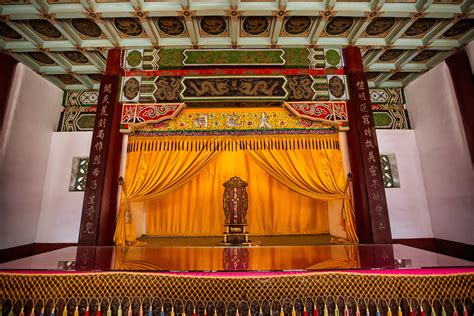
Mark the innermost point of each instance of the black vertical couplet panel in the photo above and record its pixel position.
(100, 195)
(369, 193)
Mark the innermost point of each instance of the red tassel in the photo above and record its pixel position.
(194, 312)
(357, 311)
(305, 313)
(315, 311)
(98, 313)
(346, 311)
(87, 312)
(422, 312)
(464, 311)
(455, 312)
(412, 313)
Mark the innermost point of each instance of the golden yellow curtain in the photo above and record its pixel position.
(317, 174)
(274, 209)
(152, 172)
(308, 164)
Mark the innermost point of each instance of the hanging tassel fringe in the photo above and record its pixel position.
(226, 143)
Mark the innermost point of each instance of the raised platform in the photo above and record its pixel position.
(220, 258)
(230, 281)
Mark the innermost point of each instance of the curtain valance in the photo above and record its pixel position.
(233, 143)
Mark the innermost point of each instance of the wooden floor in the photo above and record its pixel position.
(280, 240)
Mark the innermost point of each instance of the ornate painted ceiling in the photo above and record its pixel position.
(67, 40)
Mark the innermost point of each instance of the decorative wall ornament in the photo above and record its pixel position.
(76, 57)
(424, 56)
(380, 26)
(333, 58)
(133, 59)
(296, 26)
(41, 58)
(300, 88)
(213, 26)
(232, 57)
(80, 98)
(95, 77)
(86, 27)
(420, 27)
(337, 87)
(391, 119)
(128, 26)
(172, 58)
(77, 119)
(399, 75)
(338, 26)
(459, 28)
(8, 33)
(321, 88)
(67, 79)
(221, 120)
(255, 26)
(316, 57)
(333, 113)
(171, 26)
(130, 89)
(45, 29)
(372, 75)
(137, 116)
(387, 96)
(391, 55)
(160, 89)
(235, 87)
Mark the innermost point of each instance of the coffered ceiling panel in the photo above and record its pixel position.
(67, 40)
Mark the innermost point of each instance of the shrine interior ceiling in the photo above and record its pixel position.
(66, 41)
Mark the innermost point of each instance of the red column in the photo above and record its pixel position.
(369, 194)
(463, 83)
(7, 65)
(100, 195)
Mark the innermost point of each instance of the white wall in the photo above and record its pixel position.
(446, 166)
(32, 115)
(61, 209)
(407, 205)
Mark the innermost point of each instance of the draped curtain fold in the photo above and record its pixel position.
(317, 174)
(308, 164)
(150, 175)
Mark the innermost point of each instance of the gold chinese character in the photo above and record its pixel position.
(105, 99)
(373, 170)
(100, 134)
(370, 156)
(107, 88)
(103, 111)
(368, 143)
(368, 132)
(99, 146)
(96, 172)
(91, 199)
(376, 196)
(101, 122)
(375, 184)
(96, 160)
(366, 119)
(360, 85)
